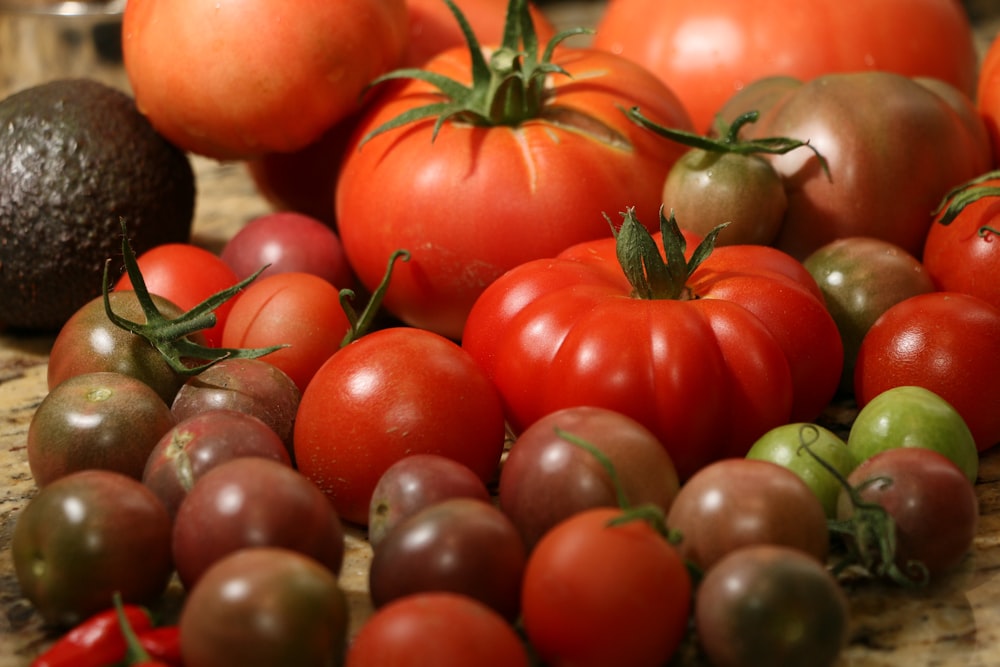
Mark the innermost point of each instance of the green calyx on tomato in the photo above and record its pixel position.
(730, 141)
(507, 89)
(360, 323)
(956, 199)
(652, 275)
(869, 533)
(170, 336)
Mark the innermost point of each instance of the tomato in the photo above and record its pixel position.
(186, 275)
(596, 594)
(771, 605)
(415, 482)
(253, 501)
(75, 544)
(735, 503)
(871, 127)
(931, 502)
(299, 310)
(861, 278)
(988, 92)
(90, 342)
(707, 51)
(708, 364)
(944, 342)
(390, 394)
(207, 73)
(784, 445)
(963, 254)
(96, 420)
(546, 477)
(288, 241)
(460, 545)
(295, 598)
(471, 200)
(441, 629)
(912, 416)
(199, 443)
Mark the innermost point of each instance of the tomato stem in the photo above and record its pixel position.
(360, 324)
(170, 336)
(956, 199)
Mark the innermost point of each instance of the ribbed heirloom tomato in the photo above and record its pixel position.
(708, 354)
(479, 179)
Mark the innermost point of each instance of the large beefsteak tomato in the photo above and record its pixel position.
(708, 352)
(707, 50)
(479, 178)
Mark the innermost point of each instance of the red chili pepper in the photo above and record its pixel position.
(163, 644)
(96, 642)
(135, 654)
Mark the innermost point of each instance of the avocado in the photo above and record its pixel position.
(77, 156)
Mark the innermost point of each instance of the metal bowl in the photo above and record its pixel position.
(42, 40)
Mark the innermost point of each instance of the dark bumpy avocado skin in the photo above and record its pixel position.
(75, 157)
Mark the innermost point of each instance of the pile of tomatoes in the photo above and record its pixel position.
(557, 325)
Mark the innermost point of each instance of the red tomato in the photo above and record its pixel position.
(743, 349)
(296, 309)
(478, 200)
(233, 79)
(944, 342)
(707, 50)
(596, 594)
(964, 255)
(186, 275)
(988, 92)
(390, 394)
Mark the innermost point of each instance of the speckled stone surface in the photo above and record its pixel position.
(953, 623)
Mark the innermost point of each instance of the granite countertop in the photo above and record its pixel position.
(954, 622)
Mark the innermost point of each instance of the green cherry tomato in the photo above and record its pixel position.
(911, 416)
(784, 445)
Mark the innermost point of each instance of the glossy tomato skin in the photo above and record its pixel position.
(299, 310)
(871, 127)
(211, 90)
(439, 628)
(944, 342)
(729, 365)
(771, 605)
(596, 594)
(85, 536)
(964, 255)
(389, 394)
(708, 51)
(931, 501)
(512, 193)
(735, 503)
(99, 420)
(186, 275)
(296, 598)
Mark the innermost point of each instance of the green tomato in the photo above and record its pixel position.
(783, 445)
(910, 416)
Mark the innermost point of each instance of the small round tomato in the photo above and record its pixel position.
(96, 420)
(771, 605)
(391, 394)
(75, 544)
(439, 628)
(296, 309)
(913, 416)
(944, 342)
(293, 601)
(861, 277)
(734, 503)
(596, 594)
(186, 275)
(785, 445)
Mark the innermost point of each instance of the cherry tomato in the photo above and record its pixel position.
(296, 309)
(390, 394)
(944, 342)
(596, 594)
(186, 275)
(210, 89)
(439, 628)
